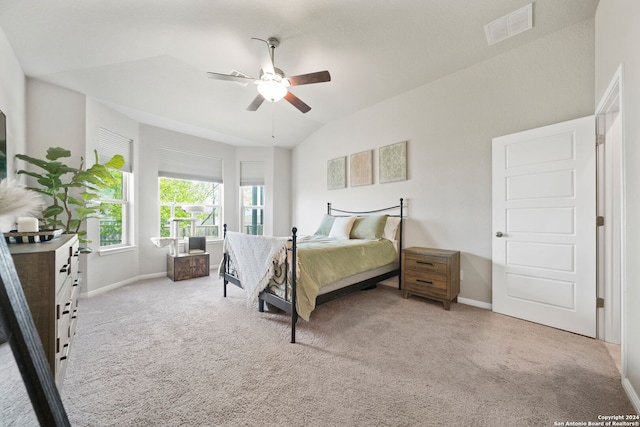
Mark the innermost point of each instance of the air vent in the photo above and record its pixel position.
(238, 73)
(508, 26)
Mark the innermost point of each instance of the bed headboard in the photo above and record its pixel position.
(399, 208)
(396, 208)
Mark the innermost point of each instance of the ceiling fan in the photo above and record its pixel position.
(273, 84)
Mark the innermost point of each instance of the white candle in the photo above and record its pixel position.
(27, 224)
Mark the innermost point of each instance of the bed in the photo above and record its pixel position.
(350, 251)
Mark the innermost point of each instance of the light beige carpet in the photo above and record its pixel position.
(159, 353)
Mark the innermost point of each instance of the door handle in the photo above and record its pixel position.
(499, 234)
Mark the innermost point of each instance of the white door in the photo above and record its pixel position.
(544, 225)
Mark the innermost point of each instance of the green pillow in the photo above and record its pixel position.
(325, 225)
(368, 227)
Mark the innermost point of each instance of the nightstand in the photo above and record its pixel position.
(431, 273)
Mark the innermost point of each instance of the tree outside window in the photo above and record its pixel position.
(252, 209)
(113, 211)
(176, 193)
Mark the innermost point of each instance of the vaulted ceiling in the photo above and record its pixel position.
(149, 58)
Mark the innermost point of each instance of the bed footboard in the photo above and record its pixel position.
(285, 303)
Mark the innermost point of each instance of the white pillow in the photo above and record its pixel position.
(342, 227)
(391, 228)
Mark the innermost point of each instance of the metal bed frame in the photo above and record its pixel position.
(290, 306)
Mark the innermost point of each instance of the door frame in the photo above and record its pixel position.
(610, 319)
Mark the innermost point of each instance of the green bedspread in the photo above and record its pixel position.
(322, 261)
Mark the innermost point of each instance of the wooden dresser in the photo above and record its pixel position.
(50, 280)
(187, 266)
(431, 273)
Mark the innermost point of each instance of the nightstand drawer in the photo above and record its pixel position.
(420, 282)
(425, 263)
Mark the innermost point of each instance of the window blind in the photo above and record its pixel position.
(110, 144)
(251, 173)
(185, 165)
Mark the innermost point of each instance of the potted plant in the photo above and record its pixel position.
(71, 189)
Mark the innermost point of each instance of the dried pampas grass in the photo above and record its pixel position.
(17, 200)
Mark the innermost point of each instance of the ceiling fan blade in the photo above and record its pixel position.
(305, 79)
(297, 102)
(229, 77)
(257, 102)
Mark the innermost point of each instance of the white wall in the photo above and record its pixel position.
(280, 175)
(12, 101)
(152, 259)
(449, 125)
(617, 24)
(277, 187)
(106, 268)
(12, 104)
(60, 117)
(55, 118)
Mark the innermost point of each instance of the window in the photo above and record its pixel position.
(113, 212)
(190, 189)
(252, 209)
(252, 198)
(179, 196)
(114, 201)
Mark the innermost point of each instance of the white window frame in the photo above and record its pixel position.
(126, 179)
(173, 205)
(243, 207)
(109, 144)
(251, 175)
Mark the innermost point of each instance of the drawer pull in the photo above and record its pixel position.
(64, 268)
(424, 262)
(424, 281)
(66, 308)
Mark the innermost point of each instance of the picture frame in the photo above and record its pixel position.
(337, 173)
(393, 162)
(361, 168)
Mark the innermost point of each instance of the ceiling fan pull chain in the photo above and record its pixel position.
(273, 122)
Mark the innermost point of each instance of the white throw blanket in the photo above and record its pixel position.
(254, 257)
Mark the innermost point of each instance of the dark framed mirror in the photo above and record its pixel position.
(3, 164)
(3, 145)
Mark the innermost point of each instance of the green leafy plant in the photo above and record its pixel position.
(71, 189)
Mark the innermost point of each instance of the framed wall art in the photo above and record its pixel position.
(337, 173)
(361, 168)
(393, 162)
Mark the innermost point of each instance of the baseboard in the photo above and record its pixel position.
(132, 280)
(474, 303)
(631, 394)
(122, 283)
(393, 282)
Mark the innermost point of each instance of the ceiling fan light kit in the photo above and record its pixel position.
(273, 85)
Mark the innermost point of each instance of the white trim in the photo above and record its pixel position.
(631, 394)
(123, 283)
(475, 303)
(212, 266)
(617, 81)
(116, 250)
(393, 283)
